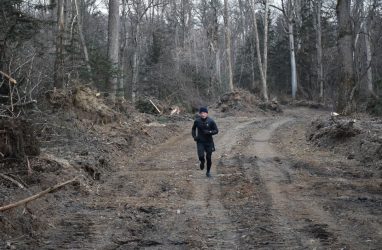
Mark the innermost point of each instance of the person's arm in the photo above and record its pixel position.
(213, 129)
(193, 131)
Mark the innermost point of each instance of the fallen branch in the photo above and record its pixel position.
(160, 112)
(10, 79)
(29, 167)
(25, 103)
(16, 177)
(13, 181)
(36, 196)
(51, 158)
(18, 104)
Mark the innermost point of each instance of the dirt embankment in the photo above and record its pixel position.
(79, 136)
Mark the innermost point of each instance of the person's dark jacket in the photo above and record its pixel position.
(204, 129)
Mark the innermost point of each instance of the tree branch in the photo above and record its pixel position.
(13, 181)
(160, 112)
(277, 8)
(36, 196)
(11, 80)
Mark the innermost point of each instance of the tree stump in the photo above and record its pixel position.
(17, 139)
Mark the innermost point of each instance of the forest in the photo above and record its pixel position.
(98, 99)
(185, 51)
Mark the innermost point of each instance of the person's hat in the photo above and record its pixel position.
(203, 109)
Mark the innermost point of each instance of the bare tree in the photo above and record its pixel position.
(365, 12)
(113, 48)
(291, 10)
(317, 26)
(262, 62)
(82, 38)
(136, 60)
(209, 17)
(139, 10)
(227, 33)
(368, 59)
(59, 74)
(346, 84)
(265, 49)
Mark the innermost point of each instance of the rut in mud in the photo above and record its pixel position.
(258, 198)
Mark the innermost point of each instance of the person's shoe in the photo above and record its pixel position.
(201, 166)
(208, 175)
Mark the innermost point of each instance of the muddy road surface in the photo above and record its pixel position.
(269, 190)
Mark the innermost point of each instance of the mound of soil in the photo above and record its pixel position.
(241, 100)
(356, 139)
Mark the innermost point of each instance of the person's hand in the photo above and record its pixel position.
(196, 138)
(207, 132)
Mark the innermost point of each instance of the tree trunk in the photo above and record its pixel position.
(59, 75)
(218, 78)
(292, 59)
(346, 84)
(320, 71)
(177, 50)
(134, 82)
(228, 46)
(195, 56)
(259, 60)
(113, 49)
(369, 75)
(211, 25)
(253, 79)
(82, 39)
(265, 53)
(135, 67)
(124, 59)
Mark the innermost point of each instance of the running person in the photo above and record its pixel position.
(202, 131)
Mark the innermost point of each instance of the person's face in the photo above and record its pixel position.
(203, 115)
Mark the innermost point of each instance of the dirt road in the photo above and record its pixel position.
(261, 196)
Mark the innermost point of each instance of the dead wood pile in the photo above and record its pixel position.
(306, 103)
(87, 102)
(331, 131)
(151, 105)
(357, 139)
(241, 100)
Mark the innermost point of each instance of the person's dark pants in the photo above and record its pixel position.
(205, 150)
